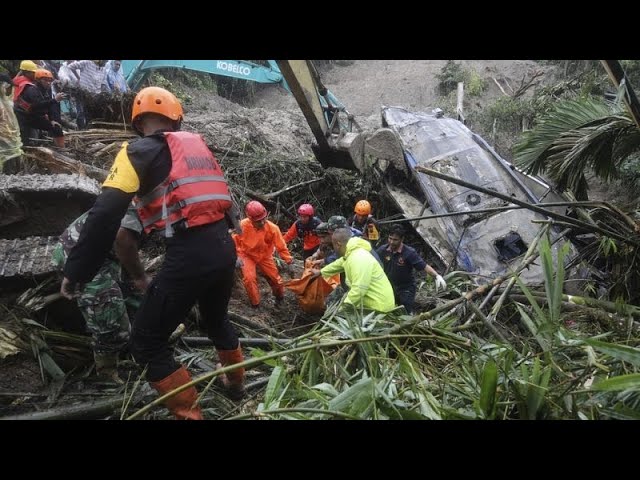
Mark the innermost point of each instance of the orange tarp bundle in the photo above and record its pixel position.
(311, 292)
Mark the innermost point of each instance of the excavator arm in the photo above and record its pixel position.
(136, 70)
(336, 145)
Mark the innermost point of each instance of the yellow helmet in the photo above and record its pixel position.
(28, 66)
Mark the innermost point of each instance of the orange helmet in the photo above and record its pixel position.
(363, 208)
(256, 211)
(156, 100)
(42, 73)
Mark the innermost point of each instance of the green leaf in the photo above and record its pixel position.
(621, 352)
(618, 383)
(488, 389)
(620, 413)
(259, 353)
(326, 388)
(526, 319)
(275, 383)
(355, 398)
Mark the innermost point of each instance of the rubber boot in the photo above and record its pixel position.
(183, 405)
(107, 366)
(233, 381)
(58, 141)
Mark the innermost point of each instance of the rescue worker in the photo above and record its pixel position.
(102, 302)
(338, 221)
(399, 261)
(31, 107)
(180, 190)
(44, 81)
(325, 248)
(369, 287)
(255, 247)
(364, 221)
(304, 228)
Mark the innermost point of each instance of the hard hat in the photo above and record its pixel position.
(156, 100)
(363, 208)
(28, 66)
(42, 73)
(305, 209)
(256, 211)
(336, 221)
(322, 229)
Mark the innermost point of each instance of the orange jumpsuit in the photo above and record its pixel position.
(255, 248)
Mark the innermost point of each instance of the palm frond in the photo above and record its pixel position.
(537, 144)
(577, 136)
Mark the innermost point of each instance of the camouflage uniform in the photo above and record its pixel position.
(101, 302)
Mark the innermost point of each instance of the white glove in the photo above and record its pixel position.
(440, 283)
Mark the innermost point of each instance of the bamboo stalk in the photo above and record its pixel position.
(492, 210)
(87, 410)
(252, 324)
(264, 413)
(540, 210)
(487, 323)
(245, 342)
(611, 307)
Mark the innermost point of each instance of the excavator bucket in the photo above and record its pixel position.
(347, 153)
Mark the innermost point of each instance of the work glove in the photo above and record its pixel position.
(440, 283)
(239, 263)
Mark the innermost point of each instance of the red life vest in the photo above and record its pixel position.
(195, 190)
(21, 82)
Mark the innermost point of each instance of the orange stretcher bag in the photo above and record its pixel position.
(311, 291)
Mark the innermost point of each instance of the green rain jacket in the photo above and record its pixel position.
(368, 284)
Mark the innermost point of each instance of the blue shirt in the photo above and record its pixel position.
(115, 81)
(399, 265)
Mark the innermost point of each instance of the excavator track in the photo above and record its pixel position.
(43, 205)
(26, 258)
(64, 183)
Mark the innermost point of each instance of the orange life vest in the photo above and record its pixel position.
(21, 82)
(195, 192)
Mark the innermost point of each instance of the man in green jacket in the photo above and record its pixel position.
(369, 287)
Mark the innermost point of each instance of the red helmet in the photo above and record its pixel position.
(362, 208)
(306, 209)
(256, 211)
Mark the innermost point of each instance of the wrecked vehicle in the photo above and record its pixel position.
(484, 243)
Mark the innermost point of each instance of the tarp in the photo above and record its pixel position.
(10, 143)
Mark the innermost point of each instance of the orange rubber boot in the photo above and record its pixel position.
(234, 380)
(183, 405)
